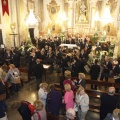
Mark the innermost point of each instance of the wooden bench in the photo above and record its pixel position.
(91, 93)
(99, 83)
(55, 117)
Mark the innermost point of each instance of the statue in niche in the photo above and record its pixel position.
(83, 10)
(81, 14)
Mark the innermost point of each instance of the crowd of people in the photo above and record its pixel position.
(71, 63)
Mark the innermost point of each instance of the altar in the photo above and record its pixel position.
(71, 46)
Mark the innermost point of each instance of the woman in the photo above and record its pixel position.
(114, 116)
(68, 97)
(80, 81)
(8, 57)
(42, 93)
(82, 101)
(54, 100)
(68, 79)
(40, 113)
(11, 75)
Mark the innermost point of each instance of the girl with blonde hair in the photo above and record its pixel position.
(42, 93)
(68, 97)
(40, 112)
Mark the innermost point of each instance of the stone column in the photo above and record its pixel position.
(71, 15)
(41, 15)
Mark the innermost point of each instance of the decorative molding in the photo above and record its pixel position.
(53, 9)
(110, 29)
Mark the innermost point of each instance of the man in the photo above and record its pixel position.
(108, 103)
(107, 68)
(38, 71)
(116, 72)
(94, 73)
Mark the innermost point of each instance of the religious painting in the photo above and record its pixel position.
(82, 12)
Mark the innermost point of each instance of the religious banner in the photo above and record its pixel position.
(5, 7)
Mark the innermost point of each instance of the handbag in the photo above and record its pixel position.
(75, 107)
(17, 80)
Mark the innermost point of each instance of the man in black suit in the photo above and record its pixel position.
(38, 72)
(94, 73)
(107, 68)
(108, 103)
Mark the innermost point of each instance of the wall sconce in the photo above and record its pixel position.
(106, 18)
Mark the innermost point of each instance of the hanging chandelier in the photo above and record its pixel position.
(32, 20)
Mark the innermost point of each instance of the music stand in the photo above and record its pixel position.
(46, 67)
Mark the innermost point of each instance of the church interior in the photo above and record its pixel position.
(75, 42)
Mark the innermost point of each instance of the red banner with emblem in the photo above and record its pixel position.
(5, 7)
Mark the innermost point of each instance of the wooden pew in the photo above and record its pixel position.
(99, 83)
(91, 93)
(55, 117)
(117, 85)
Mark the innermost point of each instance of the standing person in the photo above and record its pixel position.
(8, 56)
(42, 93)
(68, 97)
(23, 109)
(12, 73)
(16, 58)
(3, 108)
(107, 67)
(54, 100)
(67, 74)
(94, 73)
(75, 67)
(116, 72)
(82, 100)
(80, 81)
(108, 103)
(40, 112)
(38, 72)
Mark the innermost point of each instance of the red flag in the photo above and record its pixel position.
(5, 7)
